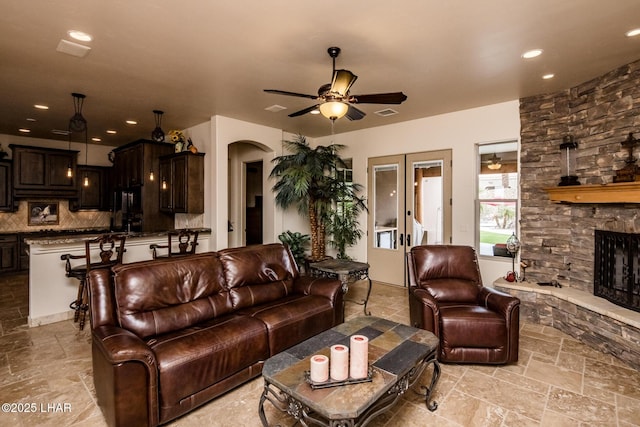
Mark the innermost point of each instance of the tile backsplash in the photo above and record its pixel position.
(18, 221)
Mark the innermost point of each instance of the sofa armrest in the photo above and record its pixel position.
(322, 286)
(424, 311)
(497, 301)
(120, 345)
(125, 377)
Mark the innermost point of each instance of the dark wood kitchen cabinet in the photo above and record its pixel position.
(6, 187)
(133, 165)
(182, 183)
(8, 253)
(96, 195)
(42, 172)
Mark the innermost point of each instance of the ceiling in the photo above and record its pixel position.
(195, 59)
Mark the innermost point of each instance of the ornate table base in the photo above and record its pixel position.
(395, 371)
(346, 271)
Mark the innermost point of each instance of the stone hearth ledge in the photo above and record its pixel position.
(586, 317)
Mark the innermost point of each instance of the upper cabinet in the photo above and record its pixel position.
(6, 190)
(42, 172)
(95, 195)
(182, 183)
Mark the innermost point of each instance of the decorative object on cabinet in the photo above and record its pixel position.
(568, 162)
(630, 170)
(43, 213)
(3, 153)
(158, 134)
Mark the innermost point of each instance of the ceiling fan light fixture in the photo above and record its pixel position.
(494, 163)
(333, 110)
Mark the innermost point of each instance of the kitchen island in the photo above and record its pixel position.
(51, 291)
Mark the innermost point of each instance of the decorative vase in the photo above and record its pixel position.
(178, 146)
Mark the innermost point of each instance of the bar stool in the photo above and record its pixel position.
(111, 250)
(187, 240)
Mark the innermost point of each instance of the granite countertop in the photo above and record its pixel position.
(73, 236)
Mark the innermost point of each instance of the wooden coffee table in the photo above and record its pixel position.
(398, 355)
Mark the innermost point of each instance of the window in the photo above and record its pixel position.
(497, 197)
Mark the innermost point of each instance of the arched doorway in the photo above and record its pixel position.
(251, 210)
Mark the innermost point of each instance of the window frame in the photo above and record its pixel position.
(482, 149)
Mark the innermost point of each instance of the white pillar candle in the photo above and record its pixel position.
(339, 362)
(319, 368)
(359, 365)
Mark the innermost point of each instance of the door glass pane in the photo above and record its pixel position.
(427, 221)
(385, 182)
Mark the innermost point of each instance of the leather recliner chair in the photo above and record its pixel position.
(474, 324)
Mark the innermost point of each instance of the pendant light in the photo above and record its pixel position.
(78, 123)
(158, 134)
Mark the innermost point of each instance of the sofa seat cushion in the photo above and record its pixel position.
(472, 326)
(194, 358)
(293, 319)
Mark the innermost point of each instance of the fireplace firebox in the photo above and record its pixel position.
(617, 268)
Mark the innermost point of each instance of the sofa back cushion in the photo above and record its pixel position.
(155, 297)
(258, 274)
(450, 273)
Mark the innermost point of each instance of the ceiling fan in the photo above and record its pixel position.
(336, 101)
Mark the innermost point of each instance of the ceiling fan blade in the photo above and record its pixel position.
(342, 81)
(354, 114)
(284, 92)
(379, 98)
(305, 111)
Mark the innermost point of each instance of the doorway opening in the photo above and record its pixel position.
(253, 203)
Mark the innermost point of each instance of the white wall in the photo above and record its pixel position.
(459, 131)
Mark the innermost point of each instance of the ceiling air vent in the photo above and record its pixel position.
(386, 112)
(60, 132)
(73, 49)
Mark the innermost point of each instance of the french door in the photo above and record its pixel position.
(409, 204)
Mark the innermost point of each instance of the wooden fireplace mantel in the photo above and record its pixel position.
(620, 192)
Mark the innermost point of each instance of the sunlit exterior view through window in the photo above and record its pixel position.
(497, 201)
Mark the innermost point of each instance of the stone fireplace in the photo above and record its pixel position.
(558, 239)
(617, 268)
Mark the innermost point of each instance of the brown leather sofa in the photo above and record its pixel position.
(170, 335)
(474, 324)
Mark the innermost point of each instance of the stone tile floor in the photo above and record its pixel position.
(557, 382)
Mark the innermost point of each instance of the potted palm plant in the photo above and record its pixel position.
(306, 178)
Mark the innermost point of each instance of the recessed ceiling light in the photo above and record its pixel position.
(532, 53)
(80, 35)
(24, 130)
(96, 139)
(633, 33)
(131, 122)
(315, 111)
(111, 132)
(41, 107)
(31, 119)
(548, 76)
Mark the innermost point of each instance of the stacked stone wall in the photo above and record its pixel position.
(558, 239)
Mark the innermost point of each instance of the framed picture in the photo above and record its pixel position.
(43, 213)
